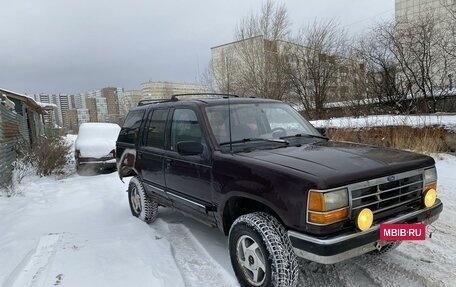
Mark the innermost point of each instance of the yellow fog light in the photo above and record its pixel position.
(364, 219)
(429, 197)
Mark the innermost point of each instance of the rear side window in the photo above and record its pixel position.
(130, 128)
(155, 129)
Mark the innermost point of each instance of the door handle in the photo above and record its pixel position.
(139, 154)
(168, 162)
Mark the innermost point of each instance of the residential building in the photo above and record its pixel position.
(233, 73)
(164, 90)
(54, 117)
(134, 97)
(79, 101)
(91, 105)
(65, 104)
(76, 117)
(412, 9)
(102, 109)
(112, 102)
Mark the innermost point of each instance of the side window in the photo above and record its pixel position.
(184, 127)
(130, 128)
(155, 129)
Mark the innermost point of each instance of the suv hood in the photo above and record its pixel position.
(341, 163)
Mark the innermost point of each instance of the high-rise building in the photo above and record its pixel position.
(79, 100)
(76, 117)
(112, 102)
(102, 109)
(52, 117)
(65, 104)
(91, 105)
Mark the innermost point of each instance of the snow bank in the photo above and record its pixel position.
(447, 121)
(96, 139)
(79, 231)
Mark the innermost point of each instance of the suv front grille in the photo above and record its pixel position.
(388, 195)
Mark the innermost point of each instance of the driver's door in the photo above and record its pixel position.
(188, 177)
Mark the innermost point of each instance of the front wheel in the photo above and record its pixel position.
(261, 252)
(141, 205)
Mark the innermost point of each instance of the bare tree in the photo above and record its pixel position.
(254, 64)
(374, 50)
(419, 49)
(316, 64)
(408, 62)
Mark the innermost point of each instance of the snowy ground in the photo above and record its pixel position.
(79, 231)
(446, 120)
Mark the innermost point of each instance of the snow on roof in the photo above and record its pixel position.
(46, 105)
(41, 106)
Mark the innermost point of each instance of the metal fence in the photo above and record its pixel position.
(13, 128)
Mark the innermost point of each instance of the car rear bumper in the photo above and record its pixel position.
(329, 250)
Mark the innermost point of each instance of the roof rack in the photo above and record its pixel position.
(175, 97)
(153, 101)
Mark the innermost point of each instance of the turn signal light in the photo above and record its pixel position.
(364, 219)
(328, 217)
(317, 201)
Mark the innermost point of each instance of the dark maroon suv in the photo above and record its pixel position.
(263, 175)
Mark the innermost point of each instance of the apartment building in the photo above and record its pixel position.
(76, 117)
(134, 96)
(163, 90)
(233, 62)
(412, 9)
(112, 101)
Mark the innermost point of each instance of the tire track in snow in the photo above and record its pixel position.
(197, 267)
(33, 265)
(390, 273)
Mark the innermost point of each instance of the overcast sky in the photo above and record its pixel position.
(74, 46)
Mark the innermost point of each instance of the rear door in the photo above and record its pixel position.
(188, 178)
(150, 154)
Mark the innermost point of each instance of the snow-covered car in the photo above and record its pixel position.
(96, 145)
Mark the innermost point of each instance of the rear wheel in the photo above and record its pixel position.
(141, 205)
(261, 252)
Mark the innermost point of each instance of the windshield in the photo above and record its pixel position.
(257, 121)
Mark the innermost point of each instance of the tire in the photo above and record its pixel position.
(386, 248)
(141, 205)
(259, 245)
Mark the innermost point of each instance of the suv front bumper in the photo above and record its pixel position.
(329, 250)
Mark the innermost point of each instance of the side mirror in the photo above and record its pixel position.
(322, 131)
(189, 148)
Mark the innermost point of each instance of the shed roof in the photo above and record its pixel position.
(29, 101)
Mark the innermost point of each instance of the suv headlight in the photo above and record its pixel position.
(429, 195)
(430, 175)
(327, 207)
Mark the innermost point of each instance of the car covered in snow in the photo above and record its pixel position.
(95, 145)
(263, 175)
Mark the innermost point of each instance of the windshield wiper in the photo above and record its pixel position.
(304, 135)
(246, 140)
